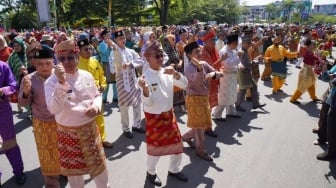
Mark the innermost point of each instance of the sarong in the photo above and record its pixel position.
(199, 112)
(244, 80)
(279, 69)
(255, 70)
(306, 79)
(110, 78)
(163, 136)
(46, 141)
(81, 150)
(213, 93)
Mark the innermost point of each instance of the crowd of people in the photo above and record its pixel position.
(62, 79)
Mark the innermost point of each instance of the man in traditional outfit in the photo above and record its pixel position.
(126, 60)
(91, 64)
(227, 92)
(7, 131)
(73, 97)
(245, 78)
(198, 74)
(275, 55)
(183, 33)
(44, 124)
(105, 48)
(162, 133)
(211, 56)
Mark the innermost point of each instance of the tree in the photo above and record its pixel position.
(288, 5)
(162, 7)
(271, 9)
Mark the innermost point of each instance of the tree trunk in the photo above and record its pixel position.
(164, 11)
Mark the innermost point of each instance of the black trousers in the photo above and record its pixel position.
(323, 122)
(331, 131)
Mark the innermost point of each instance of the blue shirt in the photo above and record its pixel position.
(104, 52)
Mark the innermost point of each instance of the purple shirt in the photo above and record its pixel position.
(36, 99)
(197, 82)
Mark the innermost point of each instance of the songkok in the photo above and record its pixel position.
(119, 33)
(83, 36)
(104, 32)
(232, 38)
(44, 53)
(209, 35)
(46, 38)
(84, 42)
(155, 47)
(189, 47)
(67, 46)
(182, 30)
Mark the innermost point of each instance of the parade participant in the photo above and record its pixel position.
(90, 64)
(9, 147)
(5, 51)
(47, 40)
(44, 124)
(331, 121)
(220, 41)
(162, 133)
(245, 78)
(227, 92)
(18, 63)
(126, 60)
(105, 48)
(266, 74)
(211, 56)
(275, 55)
(307, 78)
(183, 33)
(72, 96)
(198, 74)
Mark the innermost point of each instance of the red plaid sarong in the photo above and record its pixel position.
(163, 136)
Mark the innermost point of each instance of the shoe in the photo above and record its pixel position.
(233, 116)
(325, 156)
(219, 119)
(115, 100)
(189, 142)
(280, 90)
(180, 176)
(259, 106)
(204, 156)
(154, 179)
(20, 179)
(318, 142)
(266, 79)
(241, 109)
(139, 130)
(211, 133)
(128, 134)
(317, 101)
(295, 102)
(315, 130)
(107, 144)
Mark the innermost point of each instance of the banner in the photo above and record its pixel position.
(43, 10)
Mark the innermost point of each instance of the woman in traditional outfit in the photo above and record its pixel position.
(5, 51)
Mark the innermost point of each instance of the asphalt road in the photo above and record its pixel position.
(269, 148)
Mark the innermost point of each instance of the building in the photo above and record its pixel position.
(329, 9)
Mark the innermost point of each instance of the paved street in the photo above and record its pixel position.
(270, 148)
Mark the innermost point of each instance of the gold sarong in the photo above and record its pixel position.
(46, 143)
(199, 112)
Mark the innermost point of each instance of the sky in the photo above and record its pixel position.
(264, 2)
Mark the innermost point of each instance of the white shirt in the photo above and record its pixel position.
(219, 44)
(161, 91)
(70, 100)
(232, 61)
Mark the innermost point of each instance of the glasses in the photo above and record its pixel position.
(68, 58)
(158, 56)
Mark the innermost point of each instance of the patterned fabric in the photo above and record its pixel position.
(307, 78)
(255, 70)
(110, 78)
(279, 69)
(163, 136)
(46, 141)
(199, 112)
(244, 79)
(81, 150)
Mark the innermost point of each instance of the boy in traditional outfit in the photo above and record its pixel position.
(162, 133)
